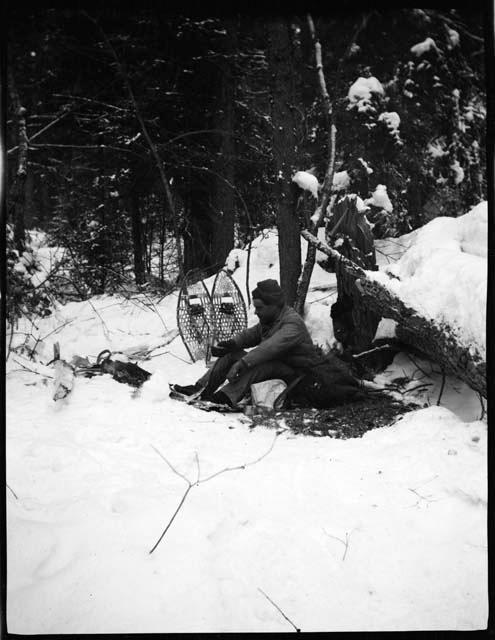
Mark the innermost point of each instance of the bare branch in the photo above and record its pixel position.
(34, 147)
(198, 467)
(344, 542)
(91, 100)
(171, 466)
(26, 368)
(13, 492)
(243, 466)
(278, 609)
(171, 519)
(194, 133)
(457, 25)
(441, 388)
(198, 482)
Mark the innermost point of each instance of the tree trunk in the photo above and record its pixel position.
(224, 197)
(137, 238)
(284, 153)
(198, 233)
(436, 342)
(18, 189)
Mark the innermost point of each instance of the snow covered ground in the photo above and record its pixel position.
(276, 531)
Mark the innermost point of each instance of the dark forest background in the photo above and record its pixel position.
(148, 143)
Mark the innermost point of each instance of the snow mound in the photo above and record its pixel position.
(443, 274)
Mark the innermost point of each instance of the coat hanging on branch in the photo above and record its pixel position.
(354, 322)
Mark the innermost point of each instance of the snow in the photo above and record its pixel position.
(341, 181)
(443, 274)
(380, 198)
(436, 150)
(306, 181)
(385, 532)
(361, 207)
(454, 37)
(392, 121)
(361, 91)
(458, 172)
(367, 167)
(421, 48)
(386, 329)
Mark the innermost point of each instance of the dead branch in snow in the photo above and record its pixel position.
(344, 542)
(26, 368)
(174, 356)
(197, 482)
(278, 609)
(242, 466)
(12, 491)
(425, 498)
(144, 353)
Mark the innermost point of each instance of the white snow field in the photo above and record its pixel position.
(276, 531)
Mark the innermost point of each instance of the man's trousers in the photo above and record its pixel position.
(238, 389)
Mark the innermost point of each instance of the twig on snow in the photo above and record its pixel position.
(190, 484)
(344, 542)
(172, 518)
(178, 357)
(38, 373)
(242, 466)
(279, 609)
(13, 492)
(197, 465)
(425, 498)
(177, 473)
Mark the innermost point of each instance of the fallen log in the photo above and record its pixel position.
(436, 341)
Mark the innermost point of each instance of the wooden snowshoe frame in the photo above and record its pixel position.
(229, 307)
(196, 318)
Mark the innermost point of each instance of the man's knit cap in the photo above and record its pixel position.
(269, 292)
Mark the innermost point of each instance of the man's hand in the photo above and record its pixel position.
(236, 370)
(223, 347)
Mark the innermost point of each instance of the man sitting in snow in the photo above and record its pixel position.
(282, 349)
